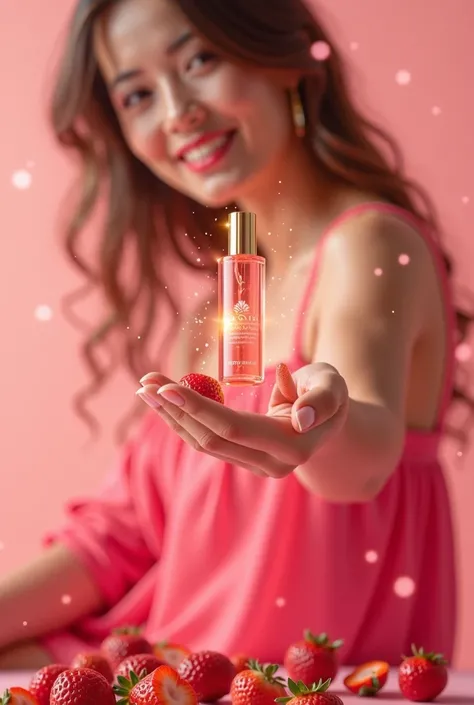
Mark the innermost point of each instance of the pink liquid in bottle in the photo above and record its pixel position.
(241, 280)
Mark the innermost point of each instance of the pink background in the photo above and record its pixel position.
(43, 447)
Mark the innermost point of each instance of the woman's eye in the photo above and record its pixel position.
(205, 57)
(133, 99)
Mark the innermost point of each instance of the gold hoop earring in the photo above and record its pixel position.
(297, 111)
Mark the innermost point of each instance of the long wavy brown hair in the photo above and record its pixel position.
(144, 217)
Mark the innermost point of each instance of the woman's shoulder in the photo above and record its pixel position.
(370, 233)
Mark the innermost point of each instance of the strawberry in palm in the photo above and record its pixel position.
(312, 659)
(423, 676)
(258, 685)
(204, 385)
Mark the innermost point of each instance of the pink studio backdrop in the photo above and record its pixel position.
(413, 66)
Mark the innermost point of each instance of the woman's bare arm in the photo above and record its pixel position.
(51, 592)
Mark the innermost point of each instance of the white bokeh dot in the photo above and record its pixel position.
(21, 179)
(465, 200)
(404, 586)
(43, 313)
(463, 352)
(436, 110)
(25, 624)
(403, 260)
(66, 599)
(320, 51)
(378, 272)
(280, 602)
(403, 77)
(371, 556)
(354, 46)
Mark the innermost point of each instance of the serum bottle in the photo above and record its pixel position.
(241, 284)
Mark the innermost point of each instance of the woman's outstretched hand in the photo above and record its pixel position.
(306, 408)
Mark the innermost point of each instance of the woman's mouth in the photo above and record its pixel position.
(207, 153)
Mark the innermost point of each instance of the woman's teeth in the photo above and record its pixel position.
(203, 151)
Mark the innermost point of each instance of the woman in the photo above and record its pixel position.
(236, 530)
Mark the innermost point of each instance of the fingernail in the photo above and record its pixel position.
(150, 399)
(172, 397)
(305, 417)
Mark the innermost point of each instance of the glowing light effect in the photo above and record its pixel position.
(404, 586)
(21, 179)
(403, 77)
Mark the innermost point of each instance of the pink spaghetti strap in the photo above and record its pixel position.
(441, 269)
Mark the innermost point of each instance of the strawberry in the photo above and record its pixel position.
(124, 642)
(204, 385)
(368, 679)
(43, 681)
(210, 674)
(313, 658)
(315, 694)
(170, 653)
(161, 687)
(96, 662)
(423, 676)
(141, 664)
(258, 685)
(241, 662)
(18, 696)
(81, 686)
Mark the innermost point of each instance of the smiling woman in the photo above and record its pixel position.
(180, 111)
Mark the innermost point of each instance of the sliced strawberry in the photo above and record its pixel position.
(367, 679)
(171, 689)
(161, 687)
(171, 653)
(204, 385)
(18, 696)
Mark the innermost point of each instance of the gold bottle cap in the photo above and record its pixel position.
(242, 233)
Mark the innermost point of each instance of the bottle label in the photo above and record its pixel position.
(242, 327)
(242, 307)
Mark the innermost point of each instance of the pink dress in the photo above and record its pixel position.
(207, 554)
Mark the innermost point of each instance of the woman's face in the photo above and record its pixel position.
(207, 127)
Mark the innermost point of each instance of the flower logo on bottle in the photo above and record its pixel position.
(241, 308)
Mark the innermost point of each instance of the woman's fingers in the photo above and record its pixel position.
(323, 392)
(203, 439)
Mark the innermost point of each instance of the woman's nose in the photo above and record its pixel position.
(181, 112)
